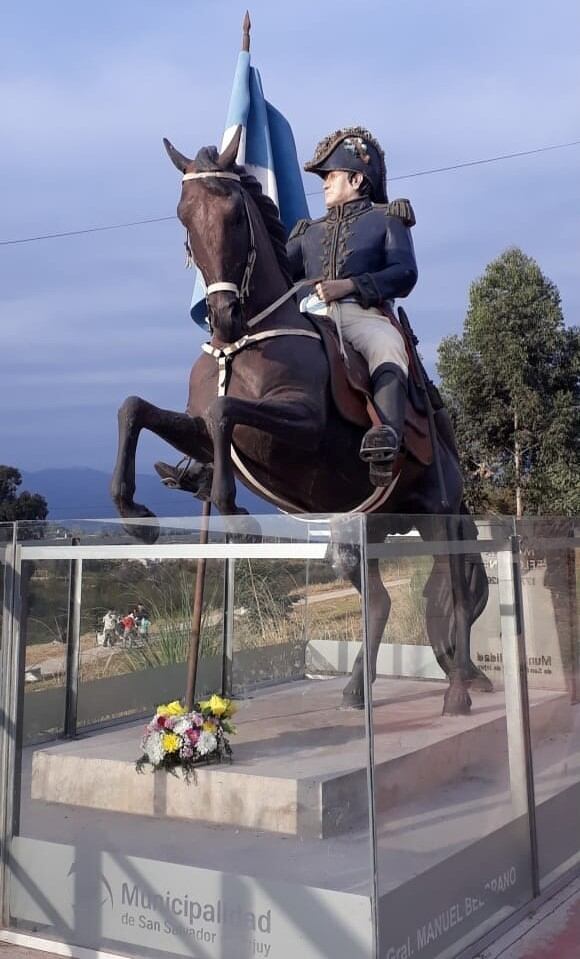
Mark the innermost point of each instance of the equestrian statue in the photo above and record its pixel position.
(310, 389)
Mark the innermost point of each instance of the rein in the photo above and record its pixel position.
(224, 354)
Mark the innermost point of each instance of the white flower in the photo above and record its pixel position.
(153, 746)
(206, 743)
(182, 725)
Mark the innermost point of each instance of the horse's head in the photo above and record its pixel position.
(214, 211)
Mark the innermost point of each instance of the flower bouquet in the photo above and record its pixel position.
(178, 738)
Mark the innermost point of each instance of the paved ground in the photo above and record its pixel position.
(553, 932)
(16, 952)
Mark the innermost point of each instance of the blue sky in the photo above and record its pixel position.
(88, 90)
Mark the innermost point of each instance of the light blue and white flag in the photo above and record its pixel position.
(267, 150)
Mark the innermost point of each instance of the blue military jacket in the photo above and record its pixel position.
(360, 241)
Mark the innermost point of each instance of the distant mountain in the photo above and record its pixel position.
(82, 493)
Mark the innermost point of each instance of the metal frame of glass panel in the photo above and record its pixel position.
(508, 551)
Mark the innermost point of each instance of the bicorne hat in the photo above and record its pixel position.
(356, 150)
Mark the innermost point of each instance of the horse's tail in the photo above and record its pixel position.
(440, 602)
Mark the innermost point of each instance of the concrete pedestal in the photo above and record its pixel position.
(299, 761)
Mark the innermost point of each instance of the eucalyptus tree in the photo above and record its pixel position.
(511, 382)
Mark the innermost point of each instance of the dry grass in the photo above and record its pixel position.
(262, 618)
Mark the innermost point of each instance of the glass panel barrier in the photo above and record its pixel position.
(6, 560)
(269, 855)
(452, 826)
(268, 629)
(550, 574)
(115, 621)
(409, 823)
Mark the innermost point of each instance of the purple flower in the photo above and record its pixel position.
(193, 736)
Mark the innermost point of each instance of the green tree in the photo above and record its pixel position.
(512, 385)
(15, 506)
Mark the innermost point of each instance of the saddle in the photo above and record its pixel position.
(352, 395)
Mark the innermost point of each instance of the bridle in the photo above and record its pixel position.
(224, 286)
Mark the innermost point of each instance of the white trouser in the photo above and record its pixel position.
(368, 331)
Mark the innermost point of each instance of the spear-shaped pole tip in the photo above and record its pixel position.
(246, 25)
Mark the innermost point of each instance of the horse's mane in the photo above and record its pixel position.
(206, 161)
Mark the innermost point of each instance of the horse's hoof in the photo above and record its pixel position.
(352, 697)
(480, 683)
(352, 702)
(244, 528)
(457, 701)
(147, 532)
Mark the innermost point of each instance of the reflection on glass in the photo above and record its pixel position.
(266, 855)
(43, 638)
(551, 576)
(268, 638)
(137, 619)
(453, 850)
(274, 852)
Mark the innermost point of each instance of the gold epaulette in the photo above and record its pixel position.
(402, 209)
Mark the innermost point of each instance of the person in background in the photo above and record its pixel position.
(109, 627)
(128, 623)
(143, 628)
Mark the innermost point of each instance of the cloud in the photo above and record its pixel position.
(88, 92)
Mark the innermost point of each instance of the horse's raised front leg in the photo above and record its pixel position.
(187, 434)
(348, 563)
(280, 419)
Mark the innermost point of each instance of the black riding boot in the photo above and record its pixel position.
(381, 444)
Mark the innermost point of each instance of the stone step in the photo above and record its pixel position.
(299, 760)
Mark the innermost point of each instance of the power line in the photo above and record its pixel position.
(90, 229)
(503, 156)
(403, 176)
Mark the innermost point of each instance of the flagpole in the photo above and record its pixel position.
(193, 658)
(246, 26)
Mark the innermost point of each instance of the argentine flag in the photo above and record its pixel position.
(267, 150)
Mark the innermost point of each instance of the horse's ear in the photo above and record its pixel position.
(177, 158)
(227, 159)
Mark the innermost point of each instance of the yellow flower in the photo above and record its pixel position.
(172, 709)
(208, 726)
(219, 706)
(171, 742)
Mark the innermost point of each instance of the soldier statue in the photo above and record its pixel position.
(363, 250)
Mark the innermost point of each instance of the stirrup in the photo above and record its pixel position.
(380, 444)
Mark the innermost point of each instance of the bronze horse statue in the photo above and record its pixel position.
(263, 384)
